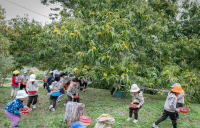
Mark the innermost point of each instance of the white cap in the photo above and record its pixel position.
(134, 88)
(32, 77)
(175, 84)
(50, 72)
(21, 94)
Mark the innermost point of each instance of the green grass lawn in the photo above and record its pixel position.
(97, 102)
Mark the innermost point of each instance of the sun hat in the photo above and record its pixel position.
(175, 84)
(32, 77)
(50, 72)
(46, 73)
(16, 72)
(134, 88)
(24, 71)
(177, 89)
(21, 94)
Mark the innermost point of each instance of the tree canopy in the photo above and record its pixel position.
(111, 41)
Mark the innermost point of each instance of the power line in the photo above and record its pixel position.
(28, 9)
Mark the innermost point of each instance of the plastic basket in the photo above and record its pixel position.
(85, 119)
(76, 97)
(133, 105)
(32, 91)
(120, 94)
(184, 110)
(27, 111)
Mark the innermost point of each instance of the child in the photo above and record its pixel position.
(62, 80)
(32, 85)
(180, 100)
(170, 106)
(12, 108)
(49, 81)
(81, 84)
(15, 84)
(24, 80)
(73, 90)
(137, 99)
(85, 81)
(55, 91)
(45, 80)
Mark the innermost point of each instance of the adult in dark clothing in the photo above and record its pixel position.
(49, 81)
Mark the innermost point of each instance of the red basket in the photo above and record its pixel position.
(133, 105)
(184, 110)
(25, 84)
(21, 81)
(76, 97)
(32, 91)
(85, 119)
(25, 110)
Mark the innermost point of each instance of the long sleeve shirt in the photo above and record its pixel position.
(32, 87)
(73, 89)
(138, 99)
(14, 107)
(180, 98)
(24, 79)
(170, 103)
(56, 86)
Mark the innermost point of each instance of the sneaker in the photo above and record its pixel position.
(129, 119)
(11, 97)
(34, 107)
(51, 106)
(65, 104)
(135, 121)
(178, 118)
(48, 93)
(155, 126)
(53, 109)
(16, 126)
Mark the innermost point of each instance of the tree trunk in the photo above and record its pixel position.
(73, 112)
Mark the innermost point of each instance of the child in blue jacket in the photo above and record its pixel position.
(12, 108)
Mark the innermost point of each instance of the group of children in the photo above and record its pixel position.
(174, 101)
(56, 82)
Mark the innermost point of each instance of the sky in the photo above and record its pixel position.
(13, 10)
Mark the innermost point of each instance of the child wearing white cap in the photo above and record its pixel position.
(138, 100)
(32, 85)
(12, 108)
(24, 80)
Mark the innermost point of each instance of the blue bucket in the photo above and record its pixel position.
(78, 124)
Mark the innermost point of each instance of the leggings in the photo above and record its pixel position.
(14, 92)
(84, 85)
(45, 85)
(32, 100)
(53, 100)
(135, 112)
(15, 118)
